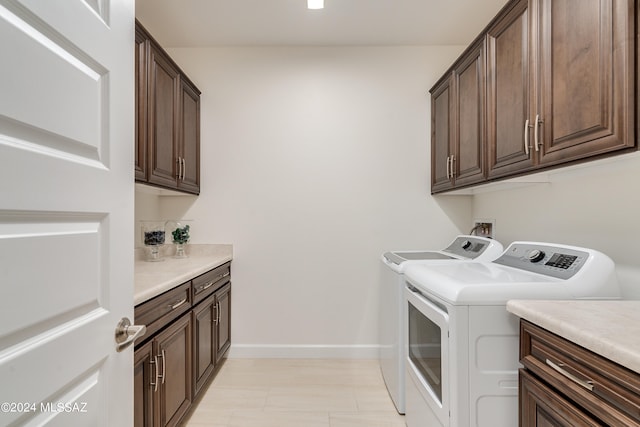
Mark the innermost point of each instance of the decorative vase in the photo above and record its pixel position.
(153, 238)
(180, 234)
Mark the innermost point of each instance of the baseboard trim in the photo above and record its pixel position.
(284, 351)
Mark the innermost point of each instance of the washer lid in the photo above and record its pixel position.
(463, 247)
(400, 257)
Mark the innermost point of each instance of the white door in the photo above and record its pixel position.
(66, 211)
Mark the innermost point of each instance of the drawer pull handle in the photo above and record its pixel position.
(222, 276)
(588, 384)
(206, 286)
(178, 304)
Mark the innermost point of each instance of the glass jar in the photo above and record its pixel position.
(153, 236)
(180, 233)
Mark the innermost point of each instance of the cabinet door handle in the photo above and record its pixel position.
(453, 170)
(588, 384)
(526, 137)
(154, 362)
(164, 367)
(177, 304)
(536, 139)
(216, 320)
(448, 176)
(184, 168)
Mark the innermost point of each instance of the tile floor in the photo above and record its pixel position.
(296, 393)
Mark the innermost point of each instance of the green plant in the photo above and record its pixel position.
(181, 235)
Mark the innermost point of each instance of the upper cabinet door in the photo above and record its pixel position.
(189, 170)
(164, 83)
(469, 123)
(441, 148)
(587, 86)
(142, 48)
(508, 86)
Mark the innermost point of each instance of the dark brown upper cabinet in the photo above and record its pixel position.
(560, 87)
(458, 121)
(508, 91)
(168, 120)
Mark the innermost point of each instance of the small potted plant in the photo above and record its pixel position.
(180, 236)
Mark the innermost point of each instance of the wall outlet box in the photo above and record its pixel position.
(484, 227)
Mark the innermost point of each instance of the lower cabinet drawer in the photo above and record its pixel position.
(205, 284)
(542, 406)
(163, 309)
(602, 388)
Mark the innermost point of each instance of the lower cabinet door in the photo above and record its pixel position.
(223, 297)
(174, 350)
(541, 406)
(144, 380)
(204, 318)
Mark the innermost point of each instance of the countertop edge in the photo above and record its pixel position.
(575, 321)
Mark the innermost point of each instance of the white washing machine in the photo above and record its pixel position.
(462, 344)
(392, 313)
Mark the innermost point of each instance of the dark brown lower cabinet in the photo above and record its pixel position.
(173, 346)
(565, 385)
(204, 316)
(190, 334)
(144, 385)
(212, 334)
(162, 376)
(223, 324)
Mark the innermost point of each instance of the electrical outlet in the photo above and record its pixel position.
(484, 227)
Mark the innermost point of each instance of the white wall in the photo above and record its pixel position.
(595, 205)
(314, 162)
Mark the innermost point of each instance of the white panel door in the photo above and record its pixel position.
(66, 211)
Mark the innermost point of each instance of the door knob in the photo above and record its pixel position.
(126, 333)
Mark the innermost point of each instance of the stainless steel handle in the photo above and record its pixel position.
(448, 175)
(536, 139)
(164, 367)
(526, 137)
(588, 384)
(126, 333)
(217, 318)
(154, 362)
(178, 304)
(207, 286)
(184, 168)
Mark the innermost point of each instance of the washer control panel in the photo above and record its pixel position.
(467, 247)
(559, 262)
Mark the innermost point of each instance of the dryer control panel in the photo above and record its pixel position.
(554, 261)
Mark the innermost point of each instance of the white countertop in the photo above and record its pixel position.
(608, 328)
(154, 278)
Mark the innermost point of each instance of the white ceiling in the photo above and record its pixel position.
(197, 23)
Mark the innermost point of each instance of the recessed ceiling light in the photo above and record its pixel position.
(315, 4)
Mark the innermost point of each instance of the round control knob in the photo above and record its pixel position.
(536, 255)
(466, 245)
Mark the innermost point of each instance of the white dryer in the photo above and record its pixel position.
(391, 308)
(462, 344)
